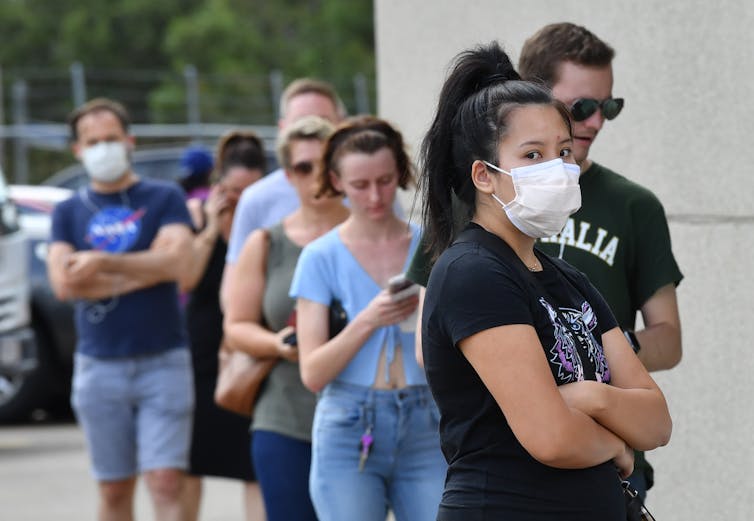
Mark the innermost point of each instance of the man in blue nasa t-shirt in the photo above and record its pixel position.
(118, 248)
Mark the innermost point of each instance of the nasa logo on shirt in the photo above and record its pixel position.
(114, 229)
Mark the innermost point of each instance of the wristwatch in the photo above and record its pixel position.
(632, 340)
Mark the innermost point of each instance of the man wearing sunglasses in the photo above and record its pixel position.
(620, 236)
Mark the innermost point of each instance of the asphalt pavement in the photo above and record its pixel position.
(44, 475)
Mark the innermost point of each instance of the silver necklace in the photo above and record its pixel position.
(84, 193)
(534, 266)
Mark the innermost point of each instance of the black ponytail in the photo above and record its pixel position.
(479, 93)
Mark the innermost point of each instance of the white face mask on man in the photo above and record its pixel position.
(546, 195)
(106, 161)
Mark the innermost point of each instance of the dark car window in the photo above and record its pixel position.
(155, 164)
(168, 169)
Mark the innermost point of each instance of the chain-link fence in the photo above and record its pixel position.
(165, 107)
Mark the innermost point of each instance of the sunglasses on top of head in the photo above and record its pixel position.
(303, 168)
(583, 108)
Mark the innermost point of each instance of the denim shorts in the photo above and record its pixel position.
(135, 412)
(405, 469)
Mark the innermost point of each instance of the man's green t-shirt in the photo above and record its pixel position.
(620, 239)
(421, 263)
(420, 266)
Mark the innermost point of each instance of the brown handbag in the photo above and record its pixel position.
(239, 379)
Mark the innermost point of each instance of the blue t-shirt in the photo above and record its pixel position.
(262, 205)
(327, 270)
(141, 322)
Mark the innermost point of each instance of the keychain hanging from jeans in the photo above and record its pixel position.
(366, 440)
(365, 447)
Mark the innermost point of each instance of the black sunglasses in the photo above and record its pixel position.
(303, 168)
(583, 108)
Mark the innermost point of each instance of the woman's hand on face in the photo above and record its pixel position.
(216, 205)
(383, 311)
(285, 350)
(625, 462)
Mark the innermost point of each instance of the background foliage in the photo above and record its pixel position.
(155, 40)
(136, 51)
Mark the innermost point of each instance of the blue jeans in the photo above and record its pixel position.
(281, 464)
(405, 470)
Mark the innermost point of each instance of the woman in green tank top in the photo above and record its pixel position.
(260, 318)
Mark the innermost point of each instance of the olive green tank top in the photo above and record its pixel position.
(284, 406)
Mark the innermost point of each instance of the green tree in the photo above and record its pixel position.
(234, 44)
(136, 51)
(323, 37)
(330, 39)
(109, 33)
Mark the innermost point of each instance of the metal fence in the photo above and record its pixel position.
(163, 105)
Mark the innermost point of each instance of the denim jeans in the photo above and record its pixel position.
(405, 469)
(282, 464)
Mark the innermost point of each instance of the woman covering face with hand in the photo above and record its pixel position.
(218, 436)
(541, 397)
(374, 439)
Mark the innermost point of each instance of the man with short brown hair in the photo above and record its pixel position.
(620, 236)
(270, 199)
(118, 247)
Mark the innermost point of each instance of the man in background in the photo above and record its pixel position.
(619, 238)
(118, 247)
(267, 201)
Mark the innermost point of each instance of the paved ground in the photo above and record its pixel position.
(44, 475)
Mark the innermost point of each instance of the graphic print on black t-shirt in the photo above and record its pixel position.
(114, 229)
(574, 338)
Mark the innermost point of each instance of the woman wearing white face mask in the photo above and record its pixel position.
(541, 397)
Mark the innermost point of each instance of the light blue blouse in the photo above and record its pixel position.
(327, 270)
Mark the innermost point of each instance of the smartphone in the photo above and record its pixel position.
(398, 283)
(291, 339)
(400, 287)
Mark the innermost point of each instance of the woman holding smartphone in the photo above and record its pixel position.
(374, 441)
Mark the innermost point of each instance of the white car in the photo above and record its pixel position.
(18, 348)
(36, 375)
(34, 204)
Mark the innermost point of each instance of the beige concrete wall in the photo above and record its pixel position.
(685, 68)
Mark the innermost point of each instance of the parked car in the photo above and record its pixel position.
(45, 381)
(23, 376)
(156, 163)
(159, 163)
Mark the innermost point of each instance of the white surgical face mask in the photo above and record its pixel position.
(546, 195)
(106, 161)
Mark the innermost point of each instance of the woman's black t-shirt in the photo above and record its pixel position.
(490, 474)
